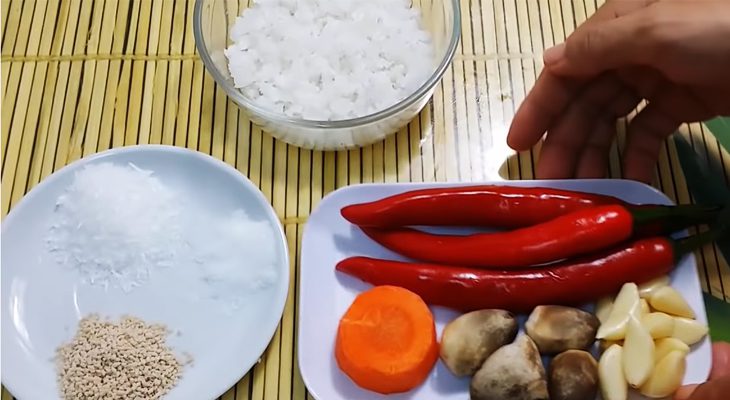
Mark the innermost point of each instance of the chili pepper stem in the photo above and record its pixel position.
(667, 219)
(689, 244)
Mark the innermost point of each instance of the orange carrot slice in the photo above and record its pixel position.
(386, 341)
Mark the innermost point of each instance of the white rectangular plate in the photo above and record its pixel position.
(325, 295)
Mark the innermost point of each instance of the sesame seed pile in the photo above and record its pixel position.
(110, 361)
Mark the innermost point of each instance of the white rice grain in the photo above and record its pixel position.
(329, 59)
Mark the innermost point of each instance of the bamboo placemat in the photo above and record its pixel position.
(82, 76)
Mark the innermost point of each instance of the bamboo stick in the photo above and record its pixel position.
(26, 116)
(18, 32)
(50, 44)
(84, 102)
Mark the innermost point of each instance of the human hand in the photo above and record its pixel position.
(673, 53)
(718, 385)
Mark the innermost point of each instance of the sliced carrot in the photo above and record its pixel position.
(386, 341)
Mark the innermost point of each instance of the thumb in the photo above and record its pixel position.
(595, 48)
(711, 390)
(685, 392)
(720, 368)
(720, 360)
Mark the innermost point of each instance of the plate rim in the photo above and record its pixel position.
(281, 295)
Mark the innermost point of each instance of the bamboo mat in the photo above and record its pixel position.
(82, 76)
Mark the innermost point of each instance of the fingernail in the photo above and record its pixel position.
(554, 54)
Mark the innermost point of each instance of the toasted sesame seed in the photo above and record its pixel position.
(116, 361)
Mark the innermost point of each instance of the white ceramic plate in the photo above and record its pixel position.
(42, 302)
(325, 295)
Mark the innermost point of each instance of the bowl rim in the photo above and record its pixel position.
(267, 114)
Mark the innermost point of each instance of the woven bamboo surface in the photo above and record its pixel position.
(82, 76)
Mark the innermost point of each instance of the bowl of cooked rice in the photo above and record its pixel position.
(328, 74)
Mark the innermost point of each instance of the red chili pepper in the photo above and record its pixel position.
(568, 283)
(577, 233)
(486, 205)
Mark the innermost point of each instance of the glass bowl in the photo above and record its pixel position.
(211, 22)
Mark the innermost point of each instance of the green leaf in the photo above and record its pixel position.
(706, 185)
(718, 317)
(720, 128)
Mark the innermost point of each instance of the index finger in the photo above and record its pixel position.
(603, 46)
(551, 93)
(545, 102)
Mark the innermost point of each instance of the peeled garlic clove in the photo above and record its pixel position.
(667, 376)
(662, 347)
(658, 324)
(603, 345)
(625, 305)
(688, 330)
(611, 375)
(669, 300)
(603, 308)
(638, 358)
(644, 306)
(648, 288)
